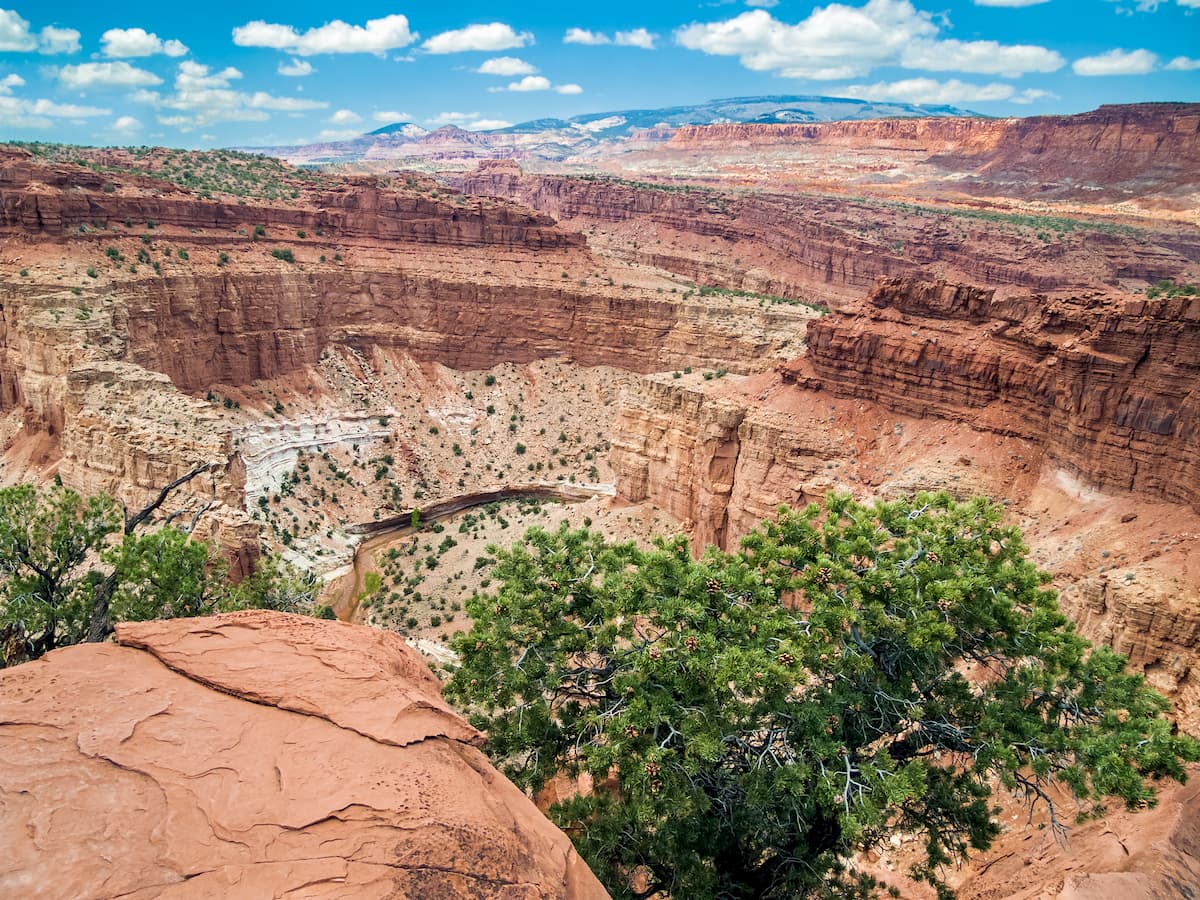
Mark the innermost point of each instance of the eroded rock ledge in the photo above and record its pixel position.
(258, 754)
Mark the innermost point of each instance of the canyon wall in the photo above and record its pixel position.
(1113, 151)
(1108, 383)
(832, 248)
(37, 198)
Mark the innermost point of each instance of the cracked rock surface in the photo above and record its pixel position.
(258, 754)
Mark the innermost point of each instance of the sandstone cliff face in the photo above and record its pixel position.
(38, 198)
(1107, 383)
(829, 249)
(1115, 150)
(258, 754)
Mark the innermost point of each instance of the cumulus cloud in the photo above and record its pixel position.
(583, 36)
(1183, 63)
(344, 117)
(377, 36)
(637, 37)
(127, 125)
(388, 116)
(18, 112)
(1010, 3)
(1117, 62)
(138, 42)
(507, 66)
(981, 57)
(930, 91)
(569, 89)
(493, 36)
(530, 83)
(295, 68)
(470, 121)
(335, 134)
(105, 75)
(55, 40)
(17, 37)
(10, 81)
(203, 97)
(840, 41)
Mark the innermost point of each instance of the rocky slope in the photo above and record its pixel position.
(258, 754)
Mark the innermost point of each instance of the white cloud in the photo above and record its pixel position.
(835, 41)
(138, 42)
(470, 121)
(507, 66)
(1183, 64)
(263, 100)
(569, 89)
(127, 125)
(14, 33)
(930, 91)
(981, 57)
(334, 134)
(10, 81)
(388, 116)
(21, 113)
(1152, 5)
(493, 36)
(764, 4)
(203, 97)
(295, 68)
(1117, 62)
(583, 36)
(16, 36)
(105, 75)
(638, 37)
(840, 41)
(377, 36)
(58, 40)
(452, 118)
(1009, 3)
(487, 124)
(344, 117)
(530, 83)
(1032, 95)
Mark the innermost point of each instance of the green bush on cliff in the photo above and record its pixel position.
(751, 719)
(70, 566)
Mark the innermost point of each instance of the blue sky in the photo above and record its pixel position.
(218, 74)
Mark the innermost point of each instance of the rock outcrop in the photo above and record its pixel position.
(258, 754)
(1109, 384)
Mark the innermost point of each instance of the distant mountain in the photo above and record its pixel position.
(581, 137)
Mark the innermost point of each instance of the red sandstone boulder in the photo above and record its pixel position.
(258, 754)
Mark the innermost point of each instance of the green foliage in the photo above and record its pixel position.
(59, 552)
(753, 718)
(47, 544)
(285, 254)
(1166, 288)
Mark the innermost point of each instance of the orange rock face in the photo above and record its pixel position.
(258, 754)
(1106, 383)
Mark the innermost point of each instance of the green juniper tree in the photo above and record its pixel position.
(751, 719)
(71, 566)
